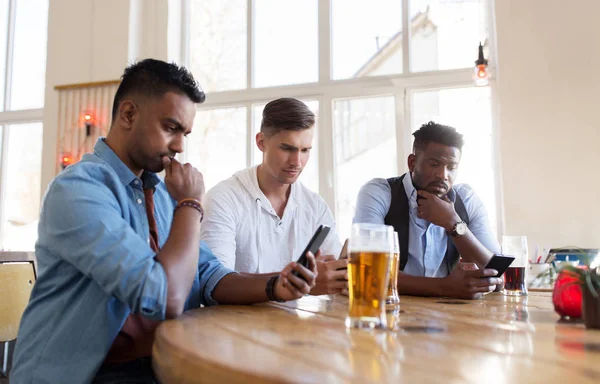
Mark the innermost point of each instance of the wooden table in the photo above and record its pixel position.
(494, 340)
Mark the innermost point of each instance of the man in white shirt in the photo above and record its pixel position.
(262, 218)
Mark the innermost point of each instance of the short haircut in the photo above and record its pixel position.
(155, 78)
(286, 114)
(437, 133)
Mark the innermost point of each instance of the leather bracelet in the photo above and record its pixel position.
(270, 289)
(193, 203)
(189, 199)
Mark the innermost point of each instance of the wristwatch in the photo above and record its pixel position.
(459, 229)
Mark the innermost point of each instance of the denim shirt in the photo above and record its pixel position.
(95, 267)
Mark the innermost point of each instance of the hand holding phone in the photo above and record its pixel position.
(500, 263)
(313, 246)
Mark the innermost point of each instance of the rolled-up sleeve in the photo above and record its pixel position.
(373, 202)
(83, 223)
(210, 272)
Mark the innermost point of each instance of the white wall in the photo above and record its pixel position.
(93, 40)
(549, 98)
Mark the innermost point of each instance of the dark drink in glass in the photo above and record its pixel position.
(514, 281)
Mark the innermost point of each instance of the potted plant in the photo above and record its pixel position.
(580, 285)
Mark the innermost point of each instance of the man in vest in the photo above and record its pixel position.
(436, 220)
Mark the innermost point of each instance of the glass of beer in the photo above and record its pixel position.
(392, 300)
(370, 249)
(514, 277)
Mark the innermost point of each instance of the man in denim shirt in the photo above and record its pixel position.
(119, 250)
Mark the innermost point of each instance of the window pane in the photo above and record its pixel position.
(468, 110)
(365, 148)
(22, 193)
(3, 39)
(366, 38)
(217, 144)
(310, 175)
(29, 61)
(285, 42)
(217, 47)
(445, 34)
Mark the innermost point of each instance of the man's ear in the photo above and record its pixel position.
(128, 112)
(260, 141)
(412, 160)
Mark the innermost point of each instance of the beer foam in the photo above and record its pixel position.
(378, 248)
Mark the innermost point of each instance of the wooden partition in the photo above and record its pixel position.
(83, 115)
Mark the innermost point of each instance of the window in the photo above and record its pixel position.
(29, 55)
(23, 32)
(285, 42)
(364, 78)
(365, 147)
(217, 44)
(22, 191)
(445, 33)
(366, 38)
(217, 144)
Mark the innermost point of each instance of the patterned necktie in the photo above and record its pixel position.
(149, 197)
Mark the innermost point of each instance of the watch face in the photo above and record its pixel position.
(461, 229)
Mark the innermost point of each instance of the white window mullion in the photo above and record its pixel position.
(327, 178)
(249, 135)
(250, 45)
(324, 41)
(249, 81)
(185, 32)
(12, 15)
(402, 128)
(405, 36)
(497, 161)
(3, 163)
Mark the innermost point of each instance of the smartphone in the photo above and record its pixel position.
(500, 263)
(344, 251)
(344, 254)
(313, 246)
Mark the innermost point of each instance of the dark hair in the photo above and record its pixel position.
(155, 78)
(437, 133)
(286, 114)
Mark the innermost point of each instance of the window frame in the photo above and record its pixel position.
(326, 90)
(11, 117)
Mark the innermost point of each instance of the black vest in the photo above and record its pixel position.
(398, 217)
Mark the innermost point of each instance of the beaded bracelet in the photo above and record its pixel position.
(270, 289)
(193, 203)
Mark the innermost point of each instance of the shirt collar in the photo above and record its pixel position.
(103, 151)
(292, 198)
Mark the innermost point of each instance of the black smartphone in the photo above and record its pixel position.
(313, 246)
(500, 263)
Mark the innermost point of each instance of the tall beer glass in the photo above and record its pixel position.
(370, 248)
(392, 300)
